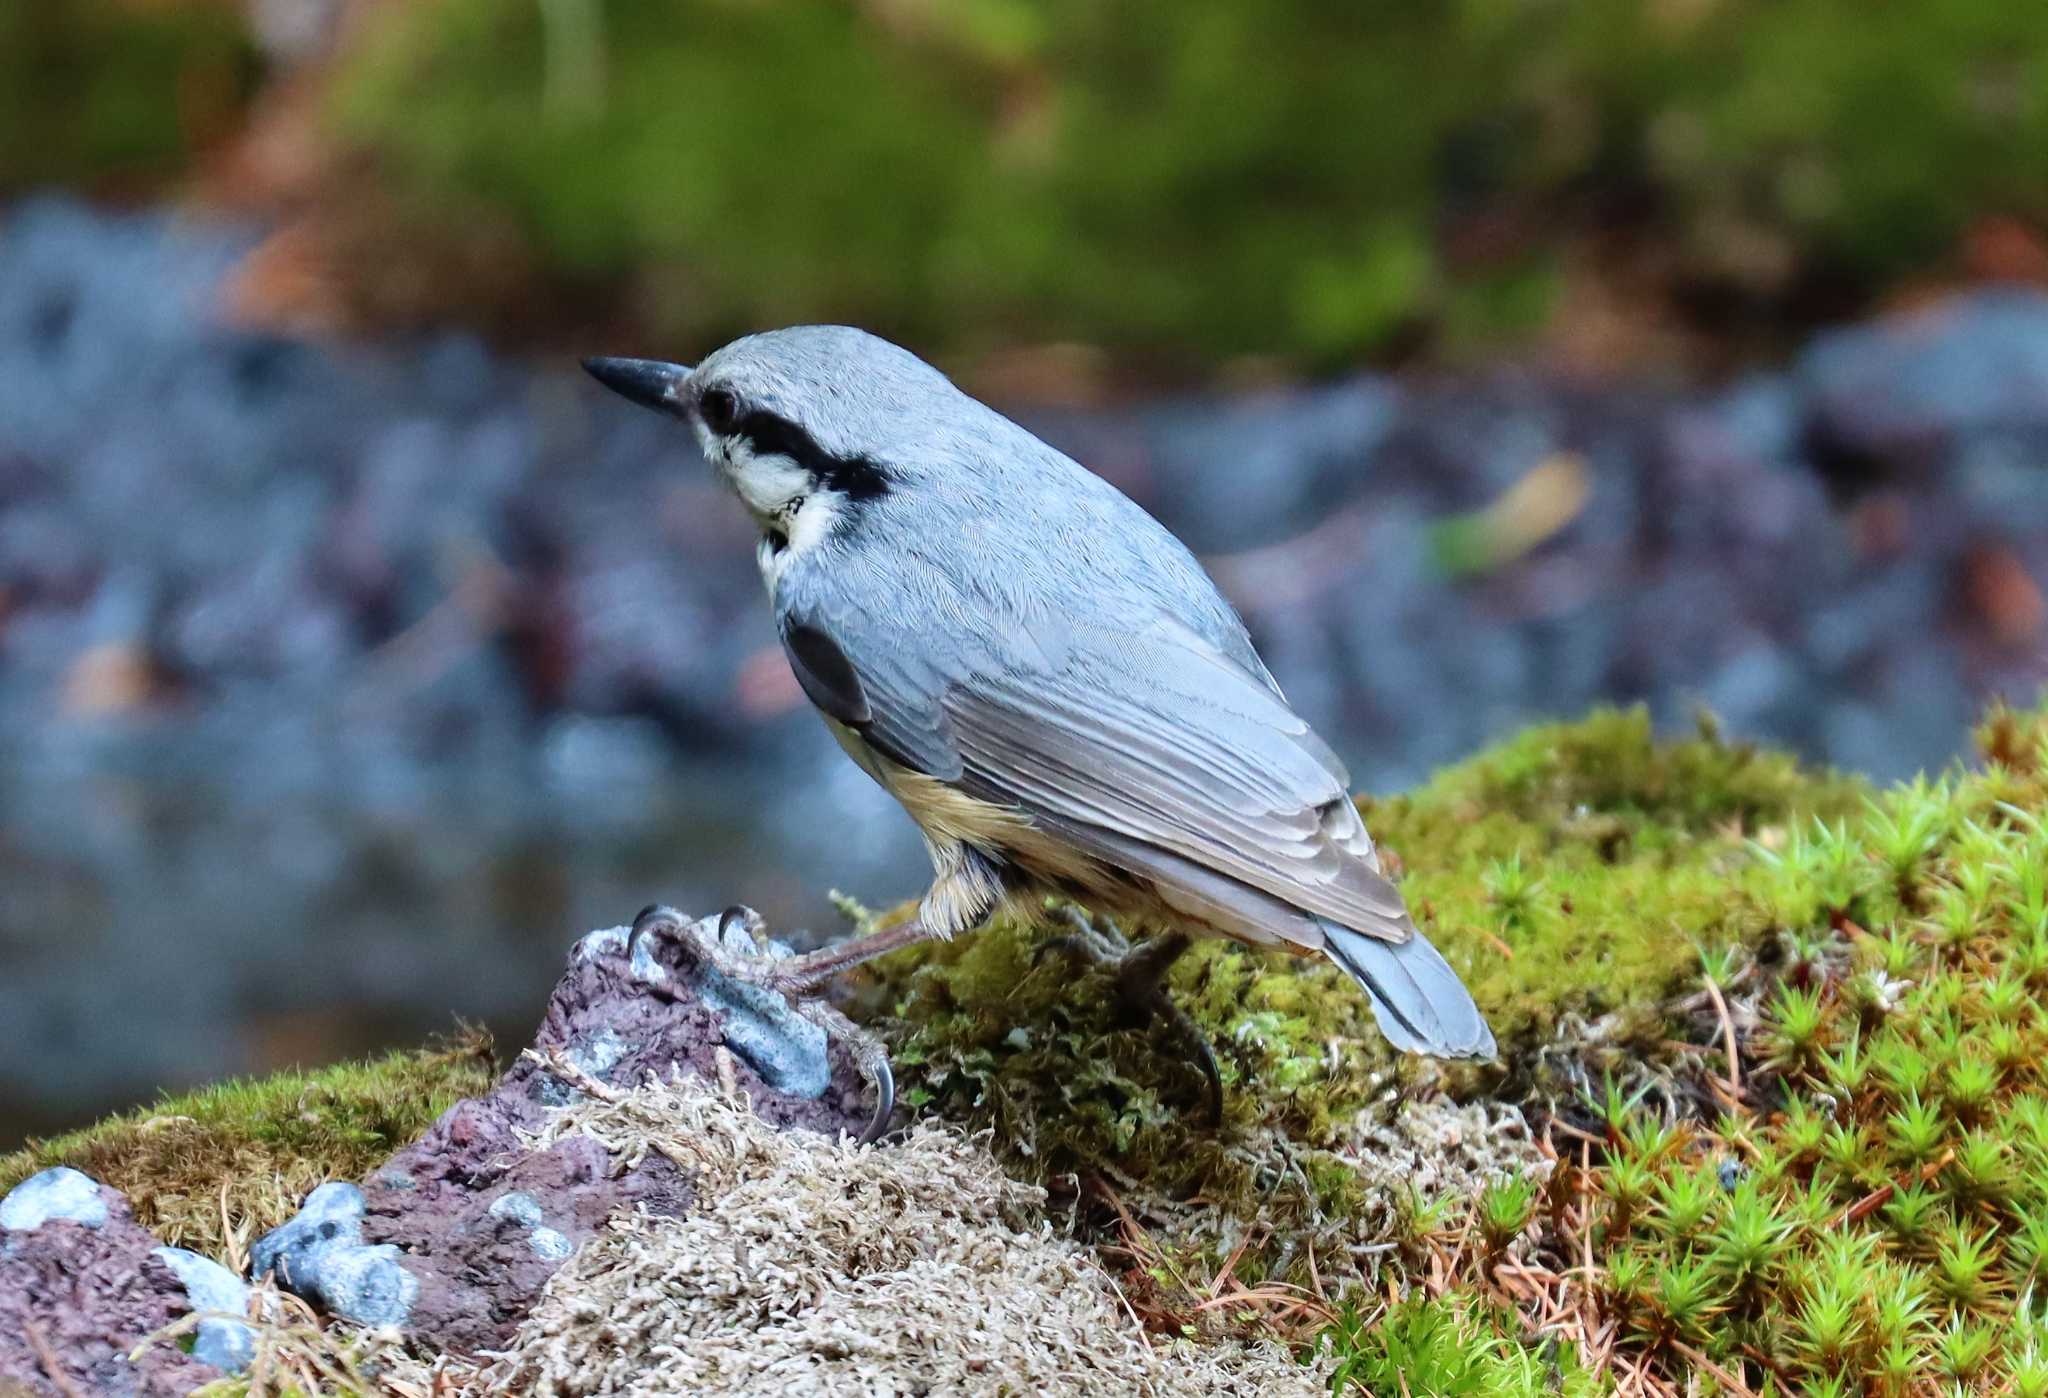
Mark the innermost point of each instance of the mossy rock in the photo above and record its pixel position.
(1790, 1027)
(243, 1154)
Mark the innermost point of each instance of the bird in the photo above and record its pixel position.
(1045, 679)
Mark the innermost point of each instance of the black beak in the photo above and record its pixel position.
(648, 382)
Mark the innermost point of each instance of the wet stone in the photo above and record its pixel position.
(224, 1343)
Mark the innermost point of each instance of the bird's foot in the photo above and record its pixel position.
(1139, 973)
(788, 977)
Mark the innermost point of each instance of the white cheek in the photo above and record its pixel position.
(810, 526)
(814, 521)
(765, 483)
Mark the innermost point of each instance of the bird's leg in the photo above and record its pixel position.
(868, 1052)
(966, 887)
(1140, 977)
(791, 975)
(870, 1055)
(797, 974)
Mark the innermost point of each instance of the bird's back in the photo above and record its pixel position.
(1022, 630)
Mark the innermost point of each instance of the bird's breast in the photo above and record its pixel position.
(948, 815)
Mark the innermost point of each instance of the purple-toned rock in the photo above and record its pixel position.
(82, 1285)
(455, 1235)
(481, 1254)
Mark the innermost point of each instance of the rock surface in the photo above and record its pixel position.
(82, 1285)
(454, 1237)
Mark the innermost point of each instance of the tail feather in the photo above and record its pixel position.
(1418, 1000)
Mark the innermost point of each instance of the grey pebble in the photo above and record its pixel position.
(320, 1256)
(223, 1343)
(58, 1192)
(516, 1207)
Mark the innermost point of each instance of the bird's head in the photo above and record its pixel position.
(806, 424)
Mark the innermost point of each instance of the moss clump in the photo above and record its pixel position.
(1440, 1349)
(1868, 1211)
(242, 1154)
(1578, 872)
(1572, 875)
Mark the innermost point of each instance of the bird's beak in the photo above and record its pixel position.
(648, 382)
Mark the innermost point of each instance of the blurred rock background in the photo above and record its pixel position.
(1500, 359)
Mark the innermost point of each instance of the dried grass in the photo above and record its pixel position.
(814, 1267)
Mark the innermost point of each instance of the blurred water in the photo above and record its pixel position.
(342, 686)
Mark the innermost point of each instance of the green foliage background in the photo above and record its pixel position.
(93, 91)
(1215, 175)
(1203, 177)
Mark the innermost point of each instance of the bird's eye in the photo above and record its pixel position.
(719, 409)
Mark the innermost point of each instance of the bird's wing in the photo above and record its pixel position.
(1151, 734)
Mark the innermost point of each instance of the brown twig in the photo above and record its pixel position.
(1728, 1381)
(1877, 1198)
(1570, 1130)
(1222, 1277)
(554, 1062)
(1727, 1034)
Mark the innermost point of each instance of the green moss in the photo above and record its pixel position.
(1866, 1212)
(1573, 875)
(242, 1154)
(1445, 1349)
(1582, 869)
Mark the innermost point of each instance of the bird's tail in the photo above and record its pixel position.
(1421, 1005)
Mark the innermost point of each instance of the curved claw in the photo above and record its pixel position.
(885, 1100)
(650, 920)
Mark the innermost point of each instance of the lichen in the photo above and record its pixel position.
(815, 1266)
(241, 1154)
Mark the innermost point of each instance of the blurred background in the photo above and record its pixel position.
(1500, 357)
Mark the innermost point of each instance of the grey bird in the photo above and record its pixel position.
(1043, 676)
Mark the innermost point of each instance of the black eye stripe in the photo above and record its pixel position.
(855, 477)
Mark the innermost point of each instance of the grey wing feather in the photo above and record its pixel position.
(1159, 754)
(890, 695)
(1156, 736)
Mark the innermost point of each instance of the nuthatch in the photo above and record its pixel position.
(1043, 676)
